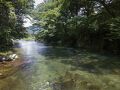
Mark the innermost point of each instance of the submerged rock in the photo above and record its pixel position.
(1, 74)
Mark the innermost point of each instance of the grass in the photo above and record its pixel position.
(29, 38)
(5, 53)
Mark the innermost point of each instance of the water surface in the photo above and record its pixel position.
(60, 68)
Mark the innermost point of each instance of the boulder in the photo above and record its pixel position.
(12, 57)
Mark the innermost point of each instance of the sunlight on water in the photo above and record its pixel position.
(29, 48)
(59, 68)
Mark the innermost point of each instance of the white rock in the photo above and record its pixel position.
(47, 83)
(0, 74)
(13, 56)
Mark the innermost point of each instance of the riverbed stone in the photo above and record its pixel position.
(1, 74)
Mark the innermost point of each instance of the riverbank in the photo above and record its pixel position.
(8, 67)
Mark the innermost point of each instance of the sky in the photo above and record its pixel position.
(27, 22)
(38, 2)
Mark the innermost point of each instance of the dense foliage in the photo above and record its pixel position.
(11, 21)
(91, 24)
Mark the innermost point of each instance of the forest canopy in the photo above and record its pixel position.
(11, 21)
(91, 24)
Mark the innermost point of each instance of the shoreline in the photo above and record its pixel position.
(8, 68)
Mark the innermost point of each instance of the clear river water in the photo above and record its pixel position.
(61, 68)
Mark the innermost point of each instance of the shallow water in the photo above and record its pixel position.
(60, 68)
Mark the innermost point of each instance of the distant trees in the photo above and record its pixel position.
(91, 24)
(11, 21)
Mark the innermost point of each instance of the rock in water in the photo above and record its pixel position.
(47, 83)
(0, 74)
(12, 57)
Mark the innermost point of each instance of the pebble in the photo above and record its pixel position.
(47, 83)
(3, 58)
(0, 74)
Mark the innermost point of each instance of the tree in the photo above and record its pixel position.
(91, 24)
(11, 22)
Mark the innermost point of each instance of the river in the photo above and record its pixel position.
(60, 68)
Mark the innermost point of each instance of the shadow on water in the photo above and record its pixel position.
(83, 60)
(91, 66)
(58, 52)
(61, 68)
(96, 65)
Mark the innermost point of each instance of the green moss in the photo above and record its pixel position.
(5, 53)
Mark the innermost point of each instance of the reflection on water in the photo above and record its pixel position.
(59, 68)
